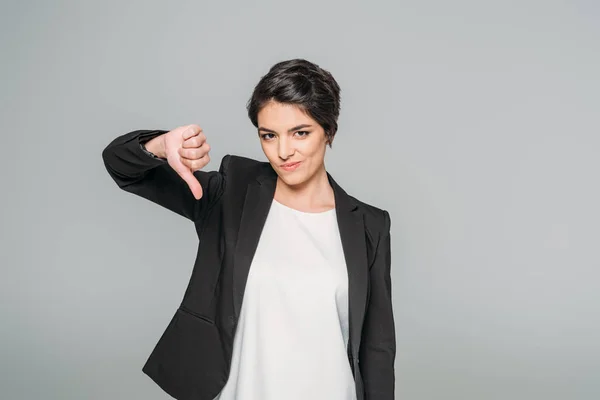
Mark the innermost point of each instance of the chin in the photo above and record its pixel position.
(292, 179)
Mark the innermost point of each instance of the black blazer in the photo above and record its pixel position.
(192, 358)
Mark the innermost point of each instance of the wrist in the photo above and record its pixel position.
(156, 146)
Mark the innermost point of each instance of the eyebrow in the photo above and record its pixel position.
(262, 128)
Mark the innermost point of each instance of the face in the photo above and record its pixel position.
(293, 142)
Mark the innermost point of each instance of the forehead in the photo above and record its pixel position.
(274, 115)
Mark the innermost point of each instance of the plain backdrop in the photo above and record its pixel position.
(480, 120)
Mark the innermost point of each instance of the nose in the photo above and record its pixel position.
(285, 148)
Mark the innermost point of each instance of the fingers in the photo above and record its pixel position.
(191, 131)
(196, 163)
(194, 141)
(192, 154)
(195, 152)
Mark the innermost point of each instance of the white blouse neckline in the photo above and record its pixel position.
(303, 212)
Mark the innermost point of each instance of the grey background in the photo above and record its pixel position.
(480, 120)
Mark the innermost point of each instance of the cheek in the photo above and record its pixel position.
(312, 148)
(315, 151)
(268, 150)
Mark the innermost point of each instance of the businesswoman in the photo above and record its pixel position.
(290, 294)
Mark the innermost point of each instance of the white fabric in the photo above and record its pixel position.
(292, 334)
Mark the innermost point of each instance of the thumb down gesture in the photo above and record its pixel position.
(186, 151)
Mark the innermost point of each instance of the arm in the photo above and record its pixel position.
(378, 348)
(136, 170)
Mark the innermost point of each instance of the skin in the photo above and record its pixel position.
(186, 150)
(286, 134)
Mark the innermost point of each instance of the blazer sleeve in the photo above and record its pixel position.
(378, 348)
(137, 171)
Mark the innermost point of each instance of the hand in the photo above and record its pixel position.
(186, 151)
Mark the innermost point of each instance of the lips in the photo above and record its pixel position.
(290, 166)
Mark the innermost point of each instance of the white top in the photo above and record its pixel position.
(292, 333)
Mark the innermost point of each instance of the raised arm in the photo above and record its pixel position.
(154, 177)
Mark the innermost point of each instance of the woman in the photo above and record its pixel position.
(310, 262)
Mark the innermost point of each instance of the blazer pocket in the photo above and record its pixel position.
(186, 310)
(188, 361)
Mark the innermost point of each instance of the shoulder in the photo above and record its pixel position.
(376, 219)
(377, 223)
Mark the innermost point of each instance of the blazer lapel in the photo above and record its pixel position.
(257, 203)
(352, 233)
(259, 197)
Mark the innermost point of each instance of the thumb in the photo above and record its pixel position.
(189, 178)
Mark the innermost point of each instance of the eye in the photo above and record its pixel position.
(304, 132)
(265, 136)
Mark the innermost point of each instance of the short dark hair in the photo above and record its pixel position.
(303, 84)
